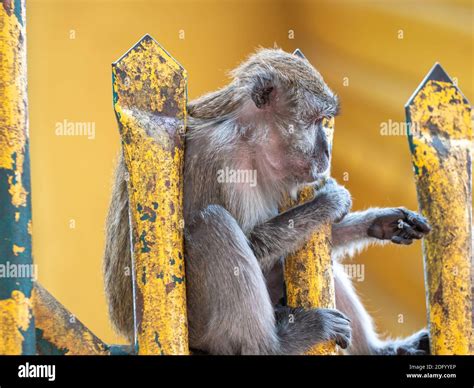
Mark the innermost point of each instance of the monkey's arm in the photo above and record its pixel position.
(288, 231)
(359, 229)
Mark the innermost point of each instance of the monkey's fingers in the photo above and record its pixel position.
(406, 231)
(400, 240)
(417, 221)
(340, 328)
(343, 338)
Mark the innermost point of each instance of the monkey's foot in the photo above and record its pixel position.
(416, 344)
(304, 328)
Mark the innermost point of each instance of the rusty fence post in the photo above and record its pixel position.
(58, 332)
(308, 273)
(149, 89)
(17, 333)
(440, 139)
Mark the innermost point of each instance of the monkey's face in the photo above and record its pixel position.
(307, 148)
(289, 102)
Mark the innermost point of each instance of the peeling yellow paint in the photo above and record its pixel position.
(13, 117)
(15, 316)
(150, 103)
(17, 249)
(56, 327)
(442, 161)
(308, 272)
(17, 216)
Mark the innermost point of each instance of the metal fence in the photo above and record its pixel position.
(149, 95)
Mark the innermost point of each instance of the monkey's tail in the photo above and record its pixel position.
(117, 256)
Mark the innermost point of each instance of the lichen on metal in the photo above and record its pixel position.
(440, 139)
(308, 272)
(17, 335)
(149, 89)
(58, 332)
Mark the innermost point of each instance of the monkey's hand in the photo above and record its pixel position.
(288, 231)
(334, 200)
(398, 225)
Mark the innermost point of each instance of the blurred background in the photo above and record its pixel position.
(372, 53)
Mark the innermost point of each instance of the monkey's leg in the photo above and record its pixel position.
(365, 339)
(229, 308)
(415, 344)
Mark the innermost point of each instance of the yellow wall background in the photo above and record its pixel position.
(71, 45)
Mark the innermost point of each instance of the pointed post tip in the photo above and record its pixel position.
(436, 73)
(299, 53)
(145, 38)
(145, 41)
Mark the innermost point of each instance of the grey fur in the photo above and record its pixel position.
(117, 257)
(268, 120)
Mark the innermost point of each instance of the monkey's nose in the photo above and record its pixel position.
(326, 152)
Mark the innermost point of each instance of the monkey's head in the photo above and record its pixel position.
(284, 103)
(275, 105)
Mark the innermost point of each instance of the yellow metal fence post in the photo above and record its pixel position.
(59, 332)
(149, 89)
(440, 138)
(17, 334)
(308, 273)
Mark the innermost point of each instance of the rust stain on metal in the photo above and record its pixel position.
(150, 104)
(440, 142)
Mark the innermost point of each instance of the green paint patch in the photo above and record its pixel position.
(157, 341)
(18, 12)
(145, 245)
(44, 347)
(177, 279)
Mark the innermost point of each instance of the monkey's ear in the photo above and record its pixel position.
(299, 53)
(263, 91)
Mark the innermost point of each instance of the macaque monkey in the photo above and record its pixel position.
(267, 121)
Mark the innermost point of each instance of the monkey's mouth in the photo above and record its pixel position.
(318, 181)
(314, 177)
